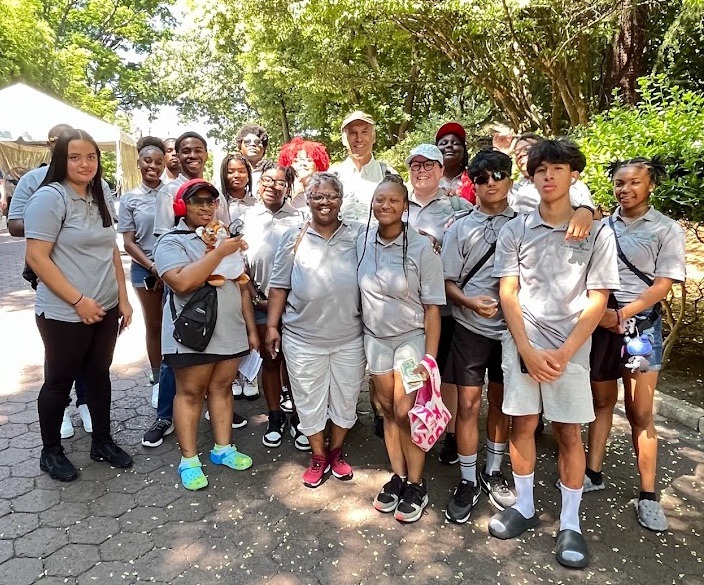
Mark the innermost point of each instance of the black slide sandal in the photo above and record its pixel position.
(571, 541)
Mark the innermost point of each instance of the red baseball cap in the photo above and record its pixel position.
(451, 128)
(190, 188)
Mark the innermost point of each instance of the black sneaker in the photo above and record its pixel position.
(275, 429)
(286, 400)
(156, 433)
(238, 421)
(496, 487)
(387, 499)
(464, 498)
(53, 461)
(412, 503)
(107, 450)
(448, 453)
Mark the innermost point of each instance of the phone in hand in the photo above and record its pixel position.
(150, 282)
(524, 370)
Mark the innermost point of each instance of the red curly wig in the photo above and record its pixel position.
(314, 150)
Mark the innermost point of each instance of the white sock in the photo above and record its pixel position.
(468, 467)
(569, 515)
(524, 494)
(494, 456)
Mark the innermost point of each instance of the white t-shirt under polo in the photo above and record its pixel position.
(83, 249)
(555, 275)
(466, 242)
(323, 307)
(653, 243)
(524, 196)
(393, 299)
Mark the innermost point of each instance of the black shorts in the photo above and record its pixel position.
(447, 332)
(471, 355)
(186, 360)
(605, 357)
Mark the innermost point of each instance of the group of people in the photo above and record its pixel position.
(348, 269)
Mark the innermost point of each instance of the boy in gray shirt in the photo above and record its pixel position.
(553, 293)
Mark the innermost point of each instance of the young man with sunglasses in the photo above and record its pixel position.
(468, 261)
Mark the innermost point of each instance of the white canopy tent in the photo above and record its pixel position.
(27, 115)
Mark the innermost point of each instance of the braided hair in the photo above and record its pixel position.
(289, 173)
(655, 167)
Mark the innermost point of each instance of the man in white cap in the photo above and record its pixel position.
(360, 172)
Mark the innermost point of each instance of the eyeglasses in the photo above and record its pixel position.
(427, 165)
(269, 182)
(252, 142)
(484, 179)
(203, 202)
(319, 196)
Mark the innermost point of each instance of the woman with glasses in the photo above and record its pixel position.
(264, 227)
(252, 141)
(451, 139)
(314, 286)
(183, 262)
(306, 157)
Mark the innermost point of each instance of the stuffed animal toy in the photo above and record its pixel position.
(231, 267)
(636, 348)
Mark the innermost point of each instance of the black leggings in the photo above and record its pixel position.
(73, 350)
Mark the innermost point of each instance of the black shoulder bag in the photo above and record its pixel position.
(27, 272)
(483, 260)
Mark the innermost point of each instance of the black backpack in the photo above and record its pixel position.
(195, 325)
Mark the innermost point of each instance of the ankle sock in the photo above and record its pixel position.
(468, 467)
(494, 456)
(190, 461)
(648, 496)
(569, 514)
(220, 448)
(596, 477)
(524, 494)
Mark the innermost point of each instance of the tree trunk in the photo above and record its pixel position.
(628, 48)
(285, 129)
(409, 102)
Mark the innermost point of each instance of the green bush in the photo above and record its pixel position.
(669, 123)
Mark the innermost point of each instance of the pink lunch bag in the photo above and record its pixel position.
(429, 416)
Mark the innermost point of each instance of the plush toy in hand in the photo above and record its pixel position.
(231, 267)
(637, 347)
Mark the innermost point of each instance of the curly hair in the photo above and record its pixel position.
(315, 150)
(255, 129)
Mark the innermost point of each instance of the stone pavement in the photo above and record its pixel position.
(262, 526)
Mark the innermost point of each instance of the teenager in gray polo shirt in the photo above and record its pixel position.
(185, 264)
(553, 293)
(81, 300)
(473, 293)
(402, 288)
(654, 245)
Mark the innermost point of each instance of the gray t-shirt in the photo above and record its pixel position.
(393, 299)
(164, 217)
(434, 215)
(323, 306)
(28, 185)
(555, 275)
(230, 333)
(83, 248)
(524, 196)
(655, 244)
(263, 232)
(466, 243)
(137, 209)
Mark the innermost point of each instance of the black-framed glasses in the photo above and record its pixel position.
(320, 196)
(269, 182)
(426, 165)
(496, 175)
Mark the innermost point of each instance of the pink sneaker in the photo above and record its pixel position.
(340, 468)
(314, 475)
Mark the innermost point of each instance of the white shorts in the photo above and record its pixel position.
(325, 382)
(383, 355)
(566, 400)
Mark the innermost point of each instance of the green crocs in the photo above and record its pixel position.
(232, 458)
(192, 476)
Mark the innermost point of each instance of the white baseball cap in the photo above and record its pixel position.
(429, 151)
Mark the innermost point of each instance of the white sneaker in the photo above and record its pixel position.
(286, 400)
(250, 390)
(84, 413)
(237, 388)
(66, 425)
(155, 395)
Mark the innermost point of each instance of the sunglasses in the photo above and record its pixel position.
(496, 175)
(252, 142)
(203, 202)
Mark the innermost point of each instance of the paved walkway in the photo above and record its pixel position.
(262, 525)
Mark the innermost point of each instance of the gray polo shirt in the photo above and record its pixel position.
(230, 333)
(555, 275)
(28, 185)
(359, 186)
(137, 209)
(164, 217)
(237, 207)
(263, 232)
(392, 301)
(466, 242)
(524, 196)
(83, 249)
(655, 244)
(434, 215)
(323, 306)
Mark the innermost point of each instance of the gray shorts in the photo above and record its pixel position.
(383, 355)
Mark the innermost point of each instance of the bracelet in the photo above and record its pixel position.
(584, 207)
(152, 266)
(78, 301)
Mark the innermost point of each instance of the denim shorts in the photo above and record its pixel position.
(137, 275)
(655, 335)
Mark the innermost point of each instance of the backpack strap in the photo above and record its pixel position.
(644, 277)
(455, 202)
(297, 243)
